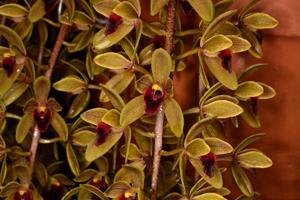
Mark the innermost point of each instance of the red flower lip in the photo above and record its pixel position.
(153, 97)
(99, 183)
(226, 55)
(42, 116)
(8, 63)
(102, 132)
(113, 22)
(208, 162)
(23, 195)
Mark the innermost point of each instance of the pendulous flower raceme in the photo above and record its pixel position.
(89, 104)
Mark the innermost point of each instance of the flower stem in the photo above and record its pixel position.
(51, 64)
(157, 148)
(170, 21)
(56, 49)
(34, 146)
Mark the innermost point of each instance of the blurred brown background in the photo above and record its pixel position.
(280, 116)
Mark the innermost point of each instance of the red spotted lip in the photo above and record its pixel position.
(8, 64)
(23, 196)
(100, 184)
(208, 162)
(112, 24)
(42, 118)
(226, 56)
(102, 131)
(153, 99)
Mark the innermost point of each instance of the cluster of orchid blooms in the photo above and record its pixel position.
(42, 111)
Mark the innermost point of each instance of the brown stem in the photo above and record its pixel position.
(157, 148)
(170, 21)
(56, 49)
(34, 146)
(51, 63)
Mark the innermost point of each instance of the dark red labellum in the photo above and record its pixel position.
(253, 101)
(153, 98)
(8, 64)
(226, 55)
(23, 196)
(100, 184)
(208, 162)
(186, 7)
(102, 132)
(259, 36)
(112, 24)
(42, 117)
(159, 41)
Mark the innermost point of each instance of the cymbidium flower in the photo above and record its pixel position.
(112, 24)
(153, 97)
(208, 162)
(42, 112)
(41, 108)
(157, 92)
(119, 22)
(226, 55)
(8, 62)
(107, 134)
